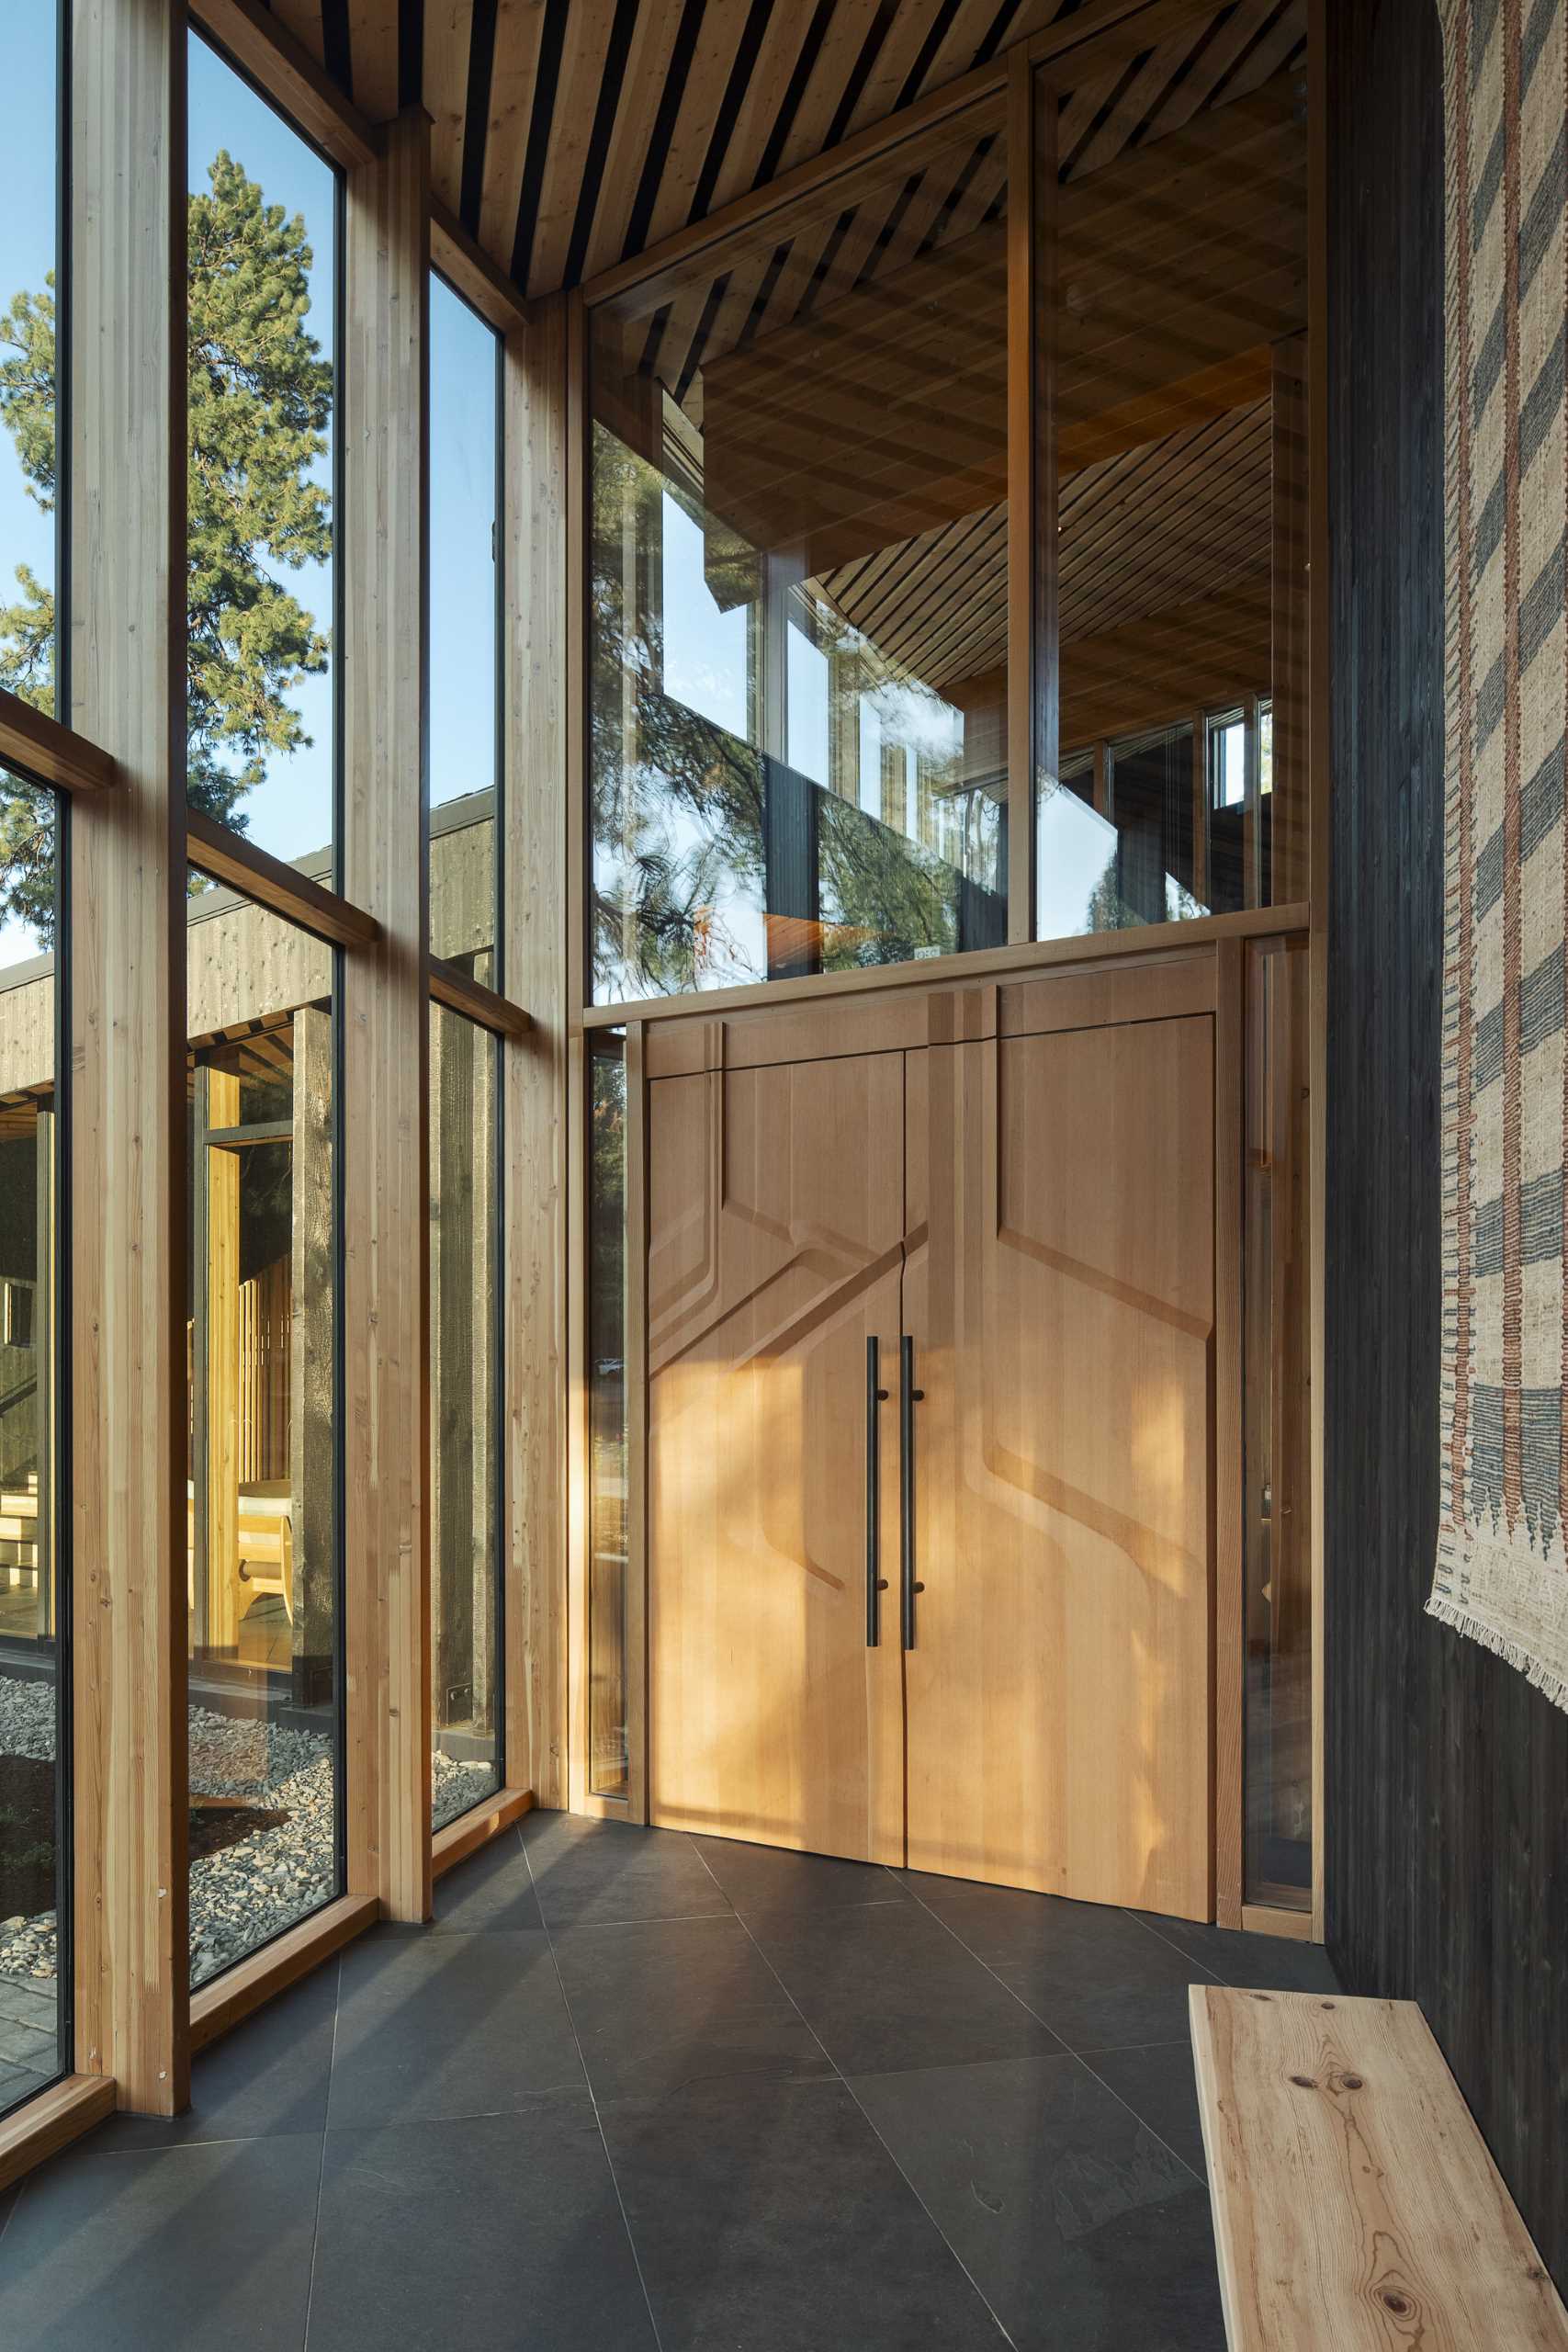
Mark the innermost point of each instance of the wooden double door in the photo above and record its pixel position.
(929, 1448)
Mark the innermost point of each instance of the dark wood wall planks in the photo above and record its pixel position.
(1447, 1810)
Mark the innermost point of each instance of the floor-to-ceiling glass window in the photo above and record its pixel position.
(262, 1522)
(34, 1807)
(262, 758)
(466, 1327)
(799, 557)
(465, 571)
(263, 239)
(467, 1682)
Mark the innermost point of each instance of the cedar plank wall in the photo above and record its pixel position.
(1446, 1807)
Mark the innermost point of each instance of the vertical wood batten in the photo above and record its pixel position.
(534, 1180)
(386, 1112)
(127, 474)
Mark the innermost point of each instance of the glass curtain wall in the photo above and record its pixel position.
(263, 251)
(35, 1962)
(464, 601)
(1175, 455)
(798, 589)
(261, 1525)
(465, 1392)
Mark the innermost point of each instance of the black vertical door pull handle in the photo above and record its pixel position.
(908, 1397)
(875, 1582)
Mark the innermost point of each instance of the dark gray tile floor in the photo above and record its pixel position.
(641, 2092)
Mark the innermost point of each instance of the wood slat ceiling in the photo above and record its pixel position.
(570, 134)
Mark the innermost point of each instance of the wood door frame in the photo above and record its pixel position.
(1037, 994)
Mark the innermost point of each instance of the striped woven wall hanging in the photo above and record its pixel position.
(1502, 1566)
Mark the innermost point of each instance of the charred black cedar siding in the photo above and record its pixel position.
(1447, 1812)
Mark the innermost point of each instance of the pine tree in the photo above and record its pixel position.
(260, 400)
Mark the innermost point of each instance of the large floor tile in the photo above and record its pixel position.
(1258, 1963)
(493, 1889)
(1096, 1975)
(1082, 2230)
(435, 2026)
(769, 2218)
(660, 2003)
(588, 1873)
(770, 1878)
(1161, 2087)
(267, 2076)
(181, 2251)
(504, 2230)
(887, 1987)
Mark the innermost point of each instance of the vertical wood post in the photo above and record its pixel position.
(127, 482)
(535, 916)
(387, 1023)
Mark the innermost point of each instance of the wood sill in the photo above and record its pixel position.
(1273, 1919)
(477, 1827)
(50, 2122)
(250, 1983)
(1151, 942)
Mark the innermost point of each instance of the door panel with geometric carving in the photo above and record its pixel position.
(1059, 1293)
(775, 1245)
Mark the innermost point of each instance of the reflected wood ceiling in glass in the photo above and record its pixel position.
(571, 134)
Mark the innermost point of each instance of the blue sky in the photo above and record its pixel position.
(291, 812)
(26, 254)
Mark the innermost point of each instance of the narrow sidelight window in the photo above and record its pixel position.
(262, 1522)
(465, 1392)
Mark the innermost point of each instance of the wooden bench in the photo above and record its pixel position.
(1355, 2202)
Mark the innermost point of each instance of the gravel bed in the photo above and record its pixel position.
(454, 1786)
(247, 1892)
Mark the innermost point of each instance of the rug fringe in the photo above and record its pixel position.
(1552, 1687)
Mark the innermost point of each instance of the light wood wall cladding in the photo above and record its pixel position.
(245, 965)
(535, 965)
(387, 1027)
(567, 138)
(128, 1165)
